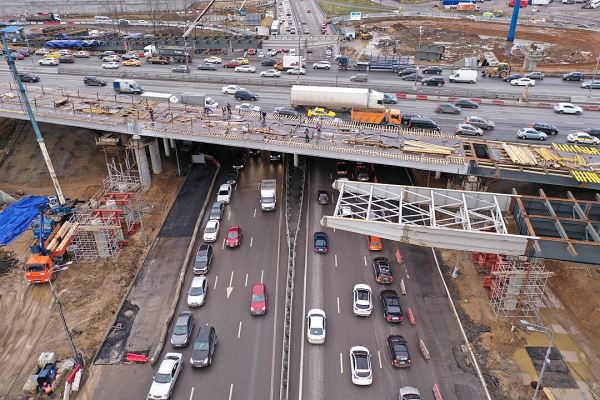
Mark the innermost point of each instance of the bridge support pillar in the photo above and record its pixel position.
(438, 174)
(172, 141)
(142, 163)
(6, 198)
(296, 160)
(166, 146)
(155, 157)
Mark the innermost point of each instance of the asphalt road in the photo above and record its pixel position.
(509, 119)
(247, 361)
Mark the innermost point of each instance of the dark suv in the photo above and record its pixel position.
(204, 347)
(573, 76)
(269, 62)
(93, 81)
(434, 81)
(382, 269)
(546, 128)
(203, 258)
(245, 95)
(27, 77)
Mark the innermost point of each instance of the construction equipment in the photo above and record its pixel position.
(502, 70)
(364, 33)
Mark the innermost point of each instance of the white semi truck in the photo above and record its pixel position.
(337, 98)
(268, 197)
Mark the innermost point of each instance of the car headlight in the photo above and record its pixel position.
(205, 360)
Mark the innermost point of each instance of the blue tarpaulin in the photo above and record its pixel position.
(16, 218)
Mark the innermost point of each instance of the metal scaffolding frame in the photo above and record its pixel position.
(517, 288)
(451, 219)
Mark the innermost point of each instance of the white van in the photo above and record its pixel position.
(463, 75)
(101, 19)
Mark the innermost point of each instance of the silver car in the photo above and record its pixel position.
(409, 393)
(468, 129)
(359, 78)
(480, 122)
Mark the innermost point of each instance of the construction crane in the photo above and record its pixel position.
(23, 94)
(197, 20)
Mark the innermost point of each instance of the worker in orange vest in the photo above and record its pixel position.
(48, 390)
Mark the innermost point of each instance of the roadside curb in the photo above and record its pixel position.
(182, 272)
(496, 102)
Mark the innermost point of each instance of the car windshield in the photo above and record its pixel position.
(316, 331)
(196, 291)
(411, 397)
(162, 378)
(211, 228)
(180, 329)
(201, 257)
(320, 243)
(232, 235)
(257, 298)
(223, 192)
(201, 345)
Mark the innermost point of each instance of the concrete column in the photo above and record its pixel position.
(166, 146)
(142, 163)
(155, 157)
(296, 160)
(438, 174)
(172, 141)
(6, 198)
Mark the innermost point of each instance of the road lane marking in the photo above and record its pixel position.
(341, 364)
(365, 257)
(262, 272)
(338, 304)
(379, 356)
(230, 288)
(272, 391)
(228, 215)
(254, 213)
(335, 259)
(216, 280)
(302, 342)
(251, 240)
(230, 391)
(246, 283)
(223, 244)
(192, 394)
(240, 330)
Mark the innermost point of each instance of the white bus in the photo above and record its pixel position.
(275, 27)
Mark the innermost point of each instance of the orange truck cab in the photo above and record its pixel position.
(38, 269)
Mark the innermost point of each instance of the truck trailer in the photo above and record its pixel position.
(156, 96)
(289, 62)
(268, 197)
(43, 17)
(337, 98)
(198, 99)
(377, 116)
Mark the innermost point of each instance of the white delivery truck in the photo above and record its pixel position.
(289, 62)
(268, 198)
(156, 96)
(337, 98)
(127, 86)
(198, 99)
(463, 75)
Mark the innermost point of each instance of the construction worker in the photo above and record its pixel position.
(228, 108)
(306, 137)
(48, 390)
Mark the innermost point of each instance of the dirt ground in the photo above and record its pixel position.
(564, 49)
(90, 293)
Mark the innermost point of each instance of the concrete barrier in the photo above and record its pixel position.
(424, 350)
(437, 394)
(411, 317)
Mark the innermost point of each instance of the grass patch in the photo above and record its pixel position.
(344, 7)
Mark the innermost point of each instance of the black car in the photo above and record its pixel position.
(207, 67)
(182, 331)
(274, 156)
(254, 152)
(93, 81)
(593, 132)
(412, 77)
(27, 77)
(232, 177)
(392, 310)
(203, 259)
(406, 117)
(361, 172)
(434, 81)
(286, 111)
(432, 70)
(181, 69)
(407, 71)
(466, 103)
(216, 210)
(512, 77)
(67, 59)
(546, 128)
(388, 99)
(573, 76)
(323, 197)
(204, 347)
(383, 270)
(269, 62)
(320, 242)
(239, 163)
(341, 168)
(106, 53)
(399, 351)
(245, 95)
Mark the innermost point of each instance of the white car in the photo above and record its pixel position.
(65, 52)
(272, 53)
(211, 231)
(213, 60)
(81, 54)
(360, 365)
(231, 89)
(48, 61)
(197, 291)
(271, 73)
(363, 300)
(296, 71)
(245, 68)
(224, 193)
(322, 65)
(409, 393)
(315, 326)
(522, 82)
(41, 52)
(111, 65)
(568, 108)
(111, 58)
(247, 107)
(142, 22)
(166, 376)
(582, 138)
(306, 31)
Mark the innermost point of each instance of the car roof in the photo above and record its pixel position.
(204, 247)
(203, 332)
(183, 317)
(198, 281)
(168, 361)
(258, 287)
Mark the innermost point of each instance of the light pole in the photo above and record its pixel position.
(593, 79)
(417, 57)
(550, 333)
(62, 315)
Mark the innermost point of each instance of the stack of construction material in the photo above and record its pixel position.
(520, 154)
(414, 146)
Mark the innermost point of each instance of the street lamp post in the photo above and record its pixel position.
(416, 58)
(550, 333)
(62, 318)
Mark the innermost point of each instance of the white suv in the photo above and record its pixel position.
(211, 231)
(322, 65)
(224, 193)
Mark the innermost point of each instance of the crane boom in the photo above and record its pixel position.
(34, 124)
(198, 18)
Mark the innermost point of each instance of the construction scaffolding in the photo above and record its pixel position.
(516, 287)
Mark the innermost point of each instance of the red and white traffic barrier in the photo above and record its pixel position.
(411, 317)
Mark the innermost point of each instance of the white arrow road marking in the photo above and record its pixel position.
(230, 288)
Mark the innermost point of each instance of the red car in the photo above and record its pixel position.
(234, 236)
(232, 64)
(258, 301)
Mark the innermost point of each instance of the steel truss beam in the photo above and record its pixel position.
(451, 219)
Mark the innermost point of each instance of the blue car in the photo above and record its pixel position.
(320, 242)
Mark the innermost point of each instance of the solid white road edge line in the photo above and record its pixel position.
(272, 392)
(301, 378)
